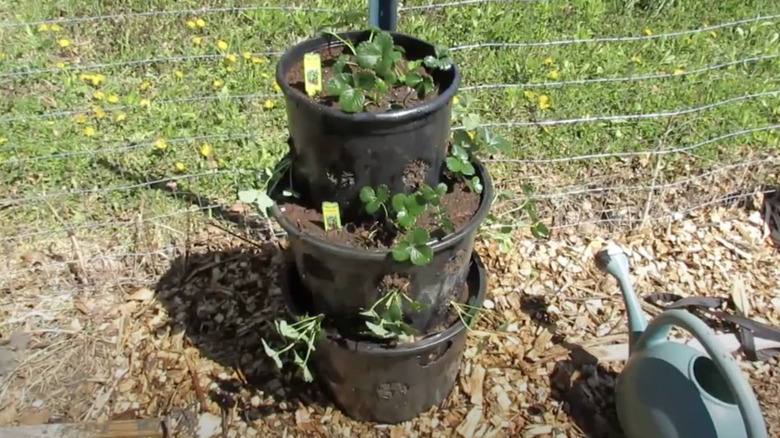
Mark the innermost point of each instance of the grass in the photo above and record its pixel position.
(88, 142)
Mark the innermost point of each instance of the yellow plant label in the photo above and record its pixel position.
(312, 70)
(331, 216)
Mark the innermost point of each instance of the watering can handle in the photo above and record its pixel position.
(746, 400)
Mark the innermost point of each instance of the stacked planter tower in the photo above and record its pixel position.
(382, 202)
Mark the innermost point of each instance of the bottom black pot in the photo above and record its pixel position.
(378, 383)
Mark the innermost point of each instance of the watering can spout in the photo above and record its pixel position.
(613, 260)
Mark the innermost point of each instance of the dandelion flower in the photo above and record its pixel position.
(455, 99)
(63, 42)
(43, 27)
(98, 95)
(191, 24)
(648, 31)
(275, 86)
(678, 71)
(112, 98)
(205, 149)
(231, 58)
(530, 95)
(145, 85)
(55, 28)
(81, 118)
(160, 144)
(2, 55)
(268, 104)
(3, 140)
(94, 79)
(179, 74)
(713, 34)
(61, 64)
(89, 131)
(548, 61)
(246, 55)
(257, 60)
(197, 40)
(179, 166)
(544, 102)
(98, 111)
(121, 117)
(222, 45)
(200, 22)
(472, 135)
(218, 83)
(553, 74)
(145, 103)
(229, 68)
(264, 75)
(636, 59)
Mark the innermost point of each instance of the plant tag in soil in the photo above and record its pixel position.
(312, 70)
(331, 216)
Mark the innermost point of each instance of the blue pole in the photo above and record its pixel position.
(382, 14)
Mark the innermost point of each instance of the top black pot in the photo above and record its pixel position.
(338, 153)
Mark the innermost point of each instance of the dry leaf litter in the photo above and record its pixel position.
(189, 348)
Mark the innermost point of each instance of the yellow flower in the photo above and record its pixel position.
(160, 144)
(98, 95)
(179, 166)
(205, 149)
(544, 102)
(678, 71)
(43, 27)
(713, 34)
(191, 24)
(246, 55)
(179, 74)
(636, 59)
(264, 75)
(268, 104)
(275, 86)
(455, 100)
(89, 131)
(230, 58)
(222, 45)
(553, 74)
(99, 113)
(2, 55)
(472, 135)
(61, 64)
(145, 103)
(648, 31)
(3, 140)
(197, 40)
(120, 117)
(257, 60)
(229, 68)
(63, 42)
(548, 61)
(55, 28)
(145, 85)
(81, 118)
(530, 95)
(112, 98)
(218, 83)
(200, 22)
(95, 79)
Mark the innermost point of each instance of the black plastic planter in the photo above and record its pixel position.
(371, 382)
(337, 153)
(346, 280)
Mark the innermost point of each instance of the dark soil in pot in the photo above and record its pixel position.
(348, 270)
(380, 383)
(337, 153)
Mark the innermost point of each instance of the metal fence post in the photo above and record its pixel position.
(383, 14)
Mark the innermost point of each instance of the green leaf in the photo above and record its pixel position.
(460, 165)
(413, 205)
(399, 202)
(474, 184)
(425, 87)
(377, 329)
(401, 251)
(341, 62)
(540, 230)
(384, 41)
(462, 140)
(382, 193)
(389, 78)
(413, 65)
(372, 207)
(365, 80)
(351, 101)
(419, 236)
(441, 189)
(441, 51)
(421, 255)
(339, 84)
(384, 66)
(368, 54)
(493, 142)
(287, 330)
(405, 219)
(307, 377)
(272, 354)
(453, 164)
(412, 79)
(394, 312)
(248, 196)
(471, 122)
(264, 202)
(382, 84)
(367, 194)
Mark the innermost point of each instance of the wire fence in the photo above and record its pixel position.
(621, 188)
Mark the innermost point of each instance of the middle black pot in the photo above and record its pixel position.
(346, 280)
(337, 153)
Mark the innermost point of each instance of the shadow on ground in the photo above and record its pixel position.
(226, 302)
(585, 389)
(770, 211)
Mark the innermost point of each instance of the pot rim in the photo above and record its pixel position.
(476, 298)
(485, 203)
(414, 112)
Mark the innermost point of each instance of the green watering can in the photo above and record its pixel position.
(671, 390)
